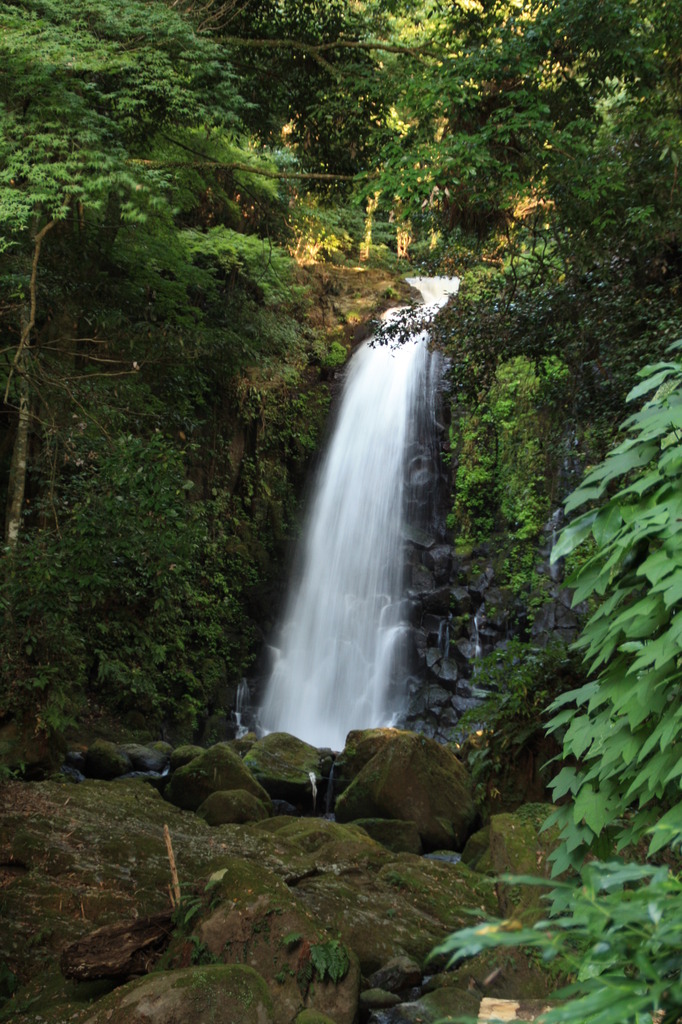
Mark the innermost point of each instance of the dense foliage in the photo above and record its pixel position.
(139, 283)
(615, 927)
(504, 739)
(621, 727)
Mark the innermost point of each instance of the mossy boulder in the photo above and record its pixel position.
(515, 843)
(377, 999)
(215, 769)
(79, 857)
(232, 807)
(312, 1017)
(283, 765)
(31, 754)
(104, 760)
(476, 853)
(518, 846)
(398, 836)
(318, 844)
(196, 995)
(443, 1005)
(412, 778)
(183, 754)
(404, 908)
(502, 974)
(361, 746)
(254, 918)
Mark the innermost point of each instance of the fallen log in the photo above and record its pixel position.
(118, 951)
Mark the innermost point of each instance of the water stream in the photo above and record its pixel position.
(337, 658)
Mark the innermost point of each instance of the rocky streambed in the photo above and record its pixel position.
(283, 916)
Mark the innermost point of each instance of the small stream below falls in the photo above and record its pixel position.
(337, 663)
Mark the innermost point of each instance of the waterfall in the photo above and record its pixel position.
(477, 631)
(240, 707)
(339, 649)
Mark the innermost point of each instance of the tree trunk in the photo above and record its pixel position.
(19, 368)
(17, 473)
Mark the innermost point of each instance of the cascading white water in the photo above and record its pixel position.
(342, 629)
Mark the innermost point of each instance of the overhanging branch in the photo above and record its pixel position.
(207, 161)
(315, 49)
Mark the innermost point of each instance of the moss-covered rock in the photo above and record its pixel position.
(444, 1005)
(79, 857)
(519, 847)
(476, 853)
(398, 836)
(404, 908)
(197, 995)
(215, 769)
(254, 918)
(312, 1017)
(412, 778)
(361, 746)
(515, 843)
(104, 760)
(182, 755)
(377, 999)
(316, 845)
(502, 974)
(283, 765)
(27, 752)
(232, 807)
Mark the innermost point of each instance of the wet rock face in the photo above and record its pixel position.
(459, 613)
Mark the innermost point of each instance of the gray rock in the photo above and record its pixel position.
(450, 1003)
(439, 560)
(421, 580)
(145, 759)
(480, 584)
(463, 704)
(398, 974)
(438, 601)
(467, 649)
(461, 600)
(448, 670)
(420, 539)
(433, 656)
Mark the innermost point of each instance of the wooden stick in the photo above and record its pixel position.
(175, 894)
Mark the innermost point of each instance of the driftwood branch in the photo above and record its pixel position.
(118, 951)
(175, 891)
